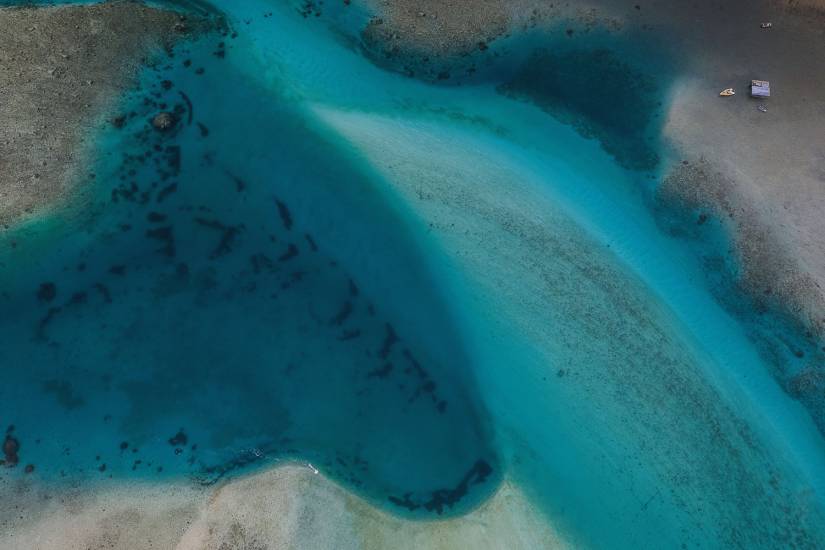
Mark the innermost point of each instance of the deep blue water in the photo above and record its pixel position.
(418, 287)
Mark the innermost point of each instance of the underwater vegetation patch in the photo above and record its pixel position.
(599, 94)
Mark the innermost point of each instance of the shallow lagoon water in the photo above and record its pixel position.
(417, 288)
(192, 316)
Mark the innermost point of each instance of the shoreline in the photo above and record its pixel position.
(63, 78)
(284, 506)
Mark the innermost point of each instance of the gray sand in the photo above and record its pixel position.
(765, 172)
(60, 70)
(447, 37)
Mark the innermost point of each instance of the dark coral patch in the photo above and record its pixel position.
(178, 439)
(286, 216)
(47, 292)
(447, 498)
(10, 449)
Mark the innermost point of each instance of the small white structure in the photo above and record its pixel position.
(760, 88)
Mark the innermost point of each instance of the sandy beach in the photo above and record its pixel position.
(285, 507)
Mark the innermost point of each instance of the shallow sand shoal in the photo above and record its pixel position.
(763, 172)
(60, 72)
(286, 507)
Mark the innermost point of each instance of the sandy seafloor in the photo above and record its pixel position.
(600, 340)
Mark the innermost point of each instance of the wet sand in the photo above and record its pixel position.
(285, 507)
(59, 73)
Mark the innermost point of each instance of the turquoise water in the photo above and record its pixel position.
(418, 288)
(204, 287)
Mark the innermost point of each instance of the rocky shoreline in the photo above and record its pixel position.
(60, 73)
(449, 42)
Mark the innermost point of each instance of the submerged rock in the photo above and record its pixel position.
(10, 449)
(178, 439)
(46, 292)
(164, 121)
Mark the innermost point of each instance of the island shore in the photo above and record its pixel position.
(61, 71)
(285, 507)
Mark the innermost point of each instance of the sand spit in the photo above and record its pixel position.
(285, 507)
(60, 70)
